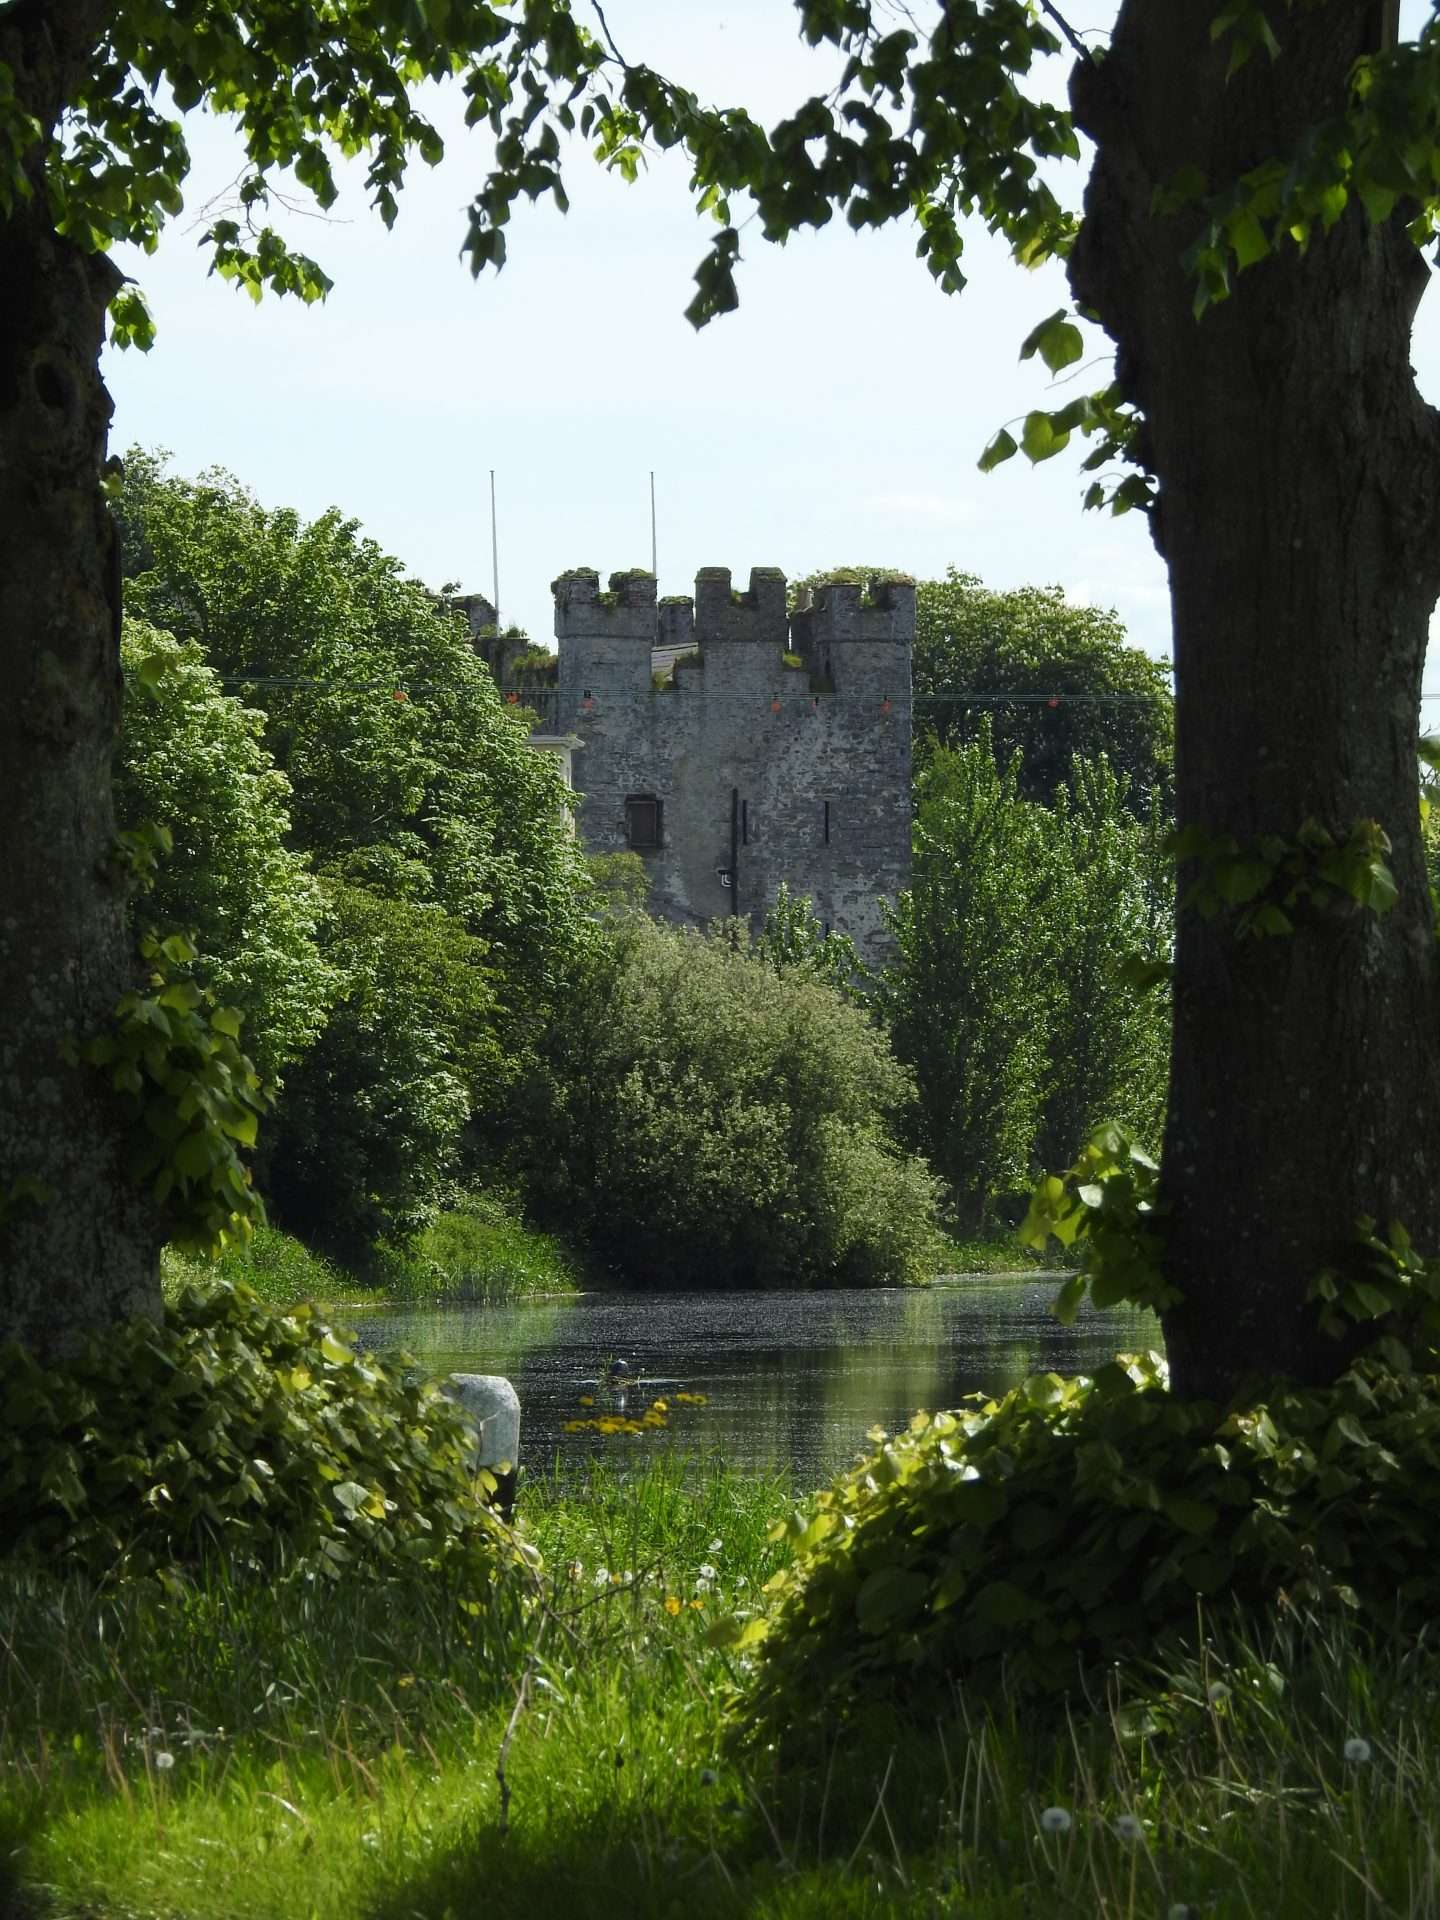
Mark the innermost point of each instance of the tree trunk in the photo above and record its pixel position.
(86, 1253)
(1297, 511)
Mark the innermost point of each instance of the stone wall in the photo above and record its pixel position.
(765, 769)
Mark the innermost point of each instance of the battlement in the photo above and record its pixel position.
(842, 610)
(625, 611)
(723, 614)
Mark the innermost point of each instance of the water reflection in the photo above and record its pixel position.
(793, 1379)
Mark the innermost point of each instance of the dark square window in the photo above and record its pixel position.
(642, 821)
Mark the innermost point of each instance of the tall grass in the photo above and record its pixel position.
(478, 1252)
(279, 1268)
(226, 1751)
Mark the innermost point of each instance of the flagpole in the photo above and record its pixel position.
(494, 555)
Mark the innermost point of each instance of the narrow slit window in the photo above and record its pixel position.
(744, 823)
(642, 821)
(827, 823)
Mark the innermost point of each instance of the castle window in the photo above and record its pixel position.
(744, 823)
(827, 823)
(642, 821)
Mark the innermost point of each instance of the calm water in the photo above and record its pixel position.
(793, 1379)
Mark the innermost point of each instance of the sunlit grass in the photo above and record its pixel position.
(364, 1754)
(477, 1252)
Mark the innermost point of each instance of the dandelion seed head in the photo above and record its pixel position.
(1357, 1751)
(1128, 1827)
(1055, 1820)
(1217, 1693)
(164, 1762)
(602, 1576)
(715, 1545)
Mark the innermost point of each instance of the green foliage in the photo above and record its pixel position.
(621, 880)
(455, 905)
(1054, 683)
(1106, 1205)
(1387, 1288)
(697, 1120)
(974, 646)
(1032, 1540)
(793, 940)
(369, 1139)
(408, 772)
(1005, 998)
(1264, 879)
(192, 761)
(229, 1427)
(1106, 914)
(193, 1099)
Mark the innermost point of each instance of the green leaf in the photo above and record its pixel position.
(1001, 448)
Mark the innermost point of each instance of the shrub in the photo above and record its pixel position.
(226, 1428)
(699, 1121)
(1076, 1522)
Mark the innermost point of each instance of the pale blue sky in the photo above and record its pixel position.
(836, 418)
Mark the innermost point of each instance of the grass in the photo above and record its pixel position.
(477, 1252)
(351, 1753)
(279, 1268)
(997, 1252)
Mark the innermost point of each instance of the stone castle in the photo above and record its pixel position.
(734, 746)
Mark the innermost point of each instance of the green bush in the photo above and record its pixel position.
(228, 1429)
(697, 1120)
(1033, 1540)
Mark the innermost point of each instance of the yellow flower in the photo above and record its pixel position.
(697, 1606)
(587, 1399)
(672, 1605)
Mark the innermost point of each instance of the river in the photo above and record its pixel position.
(792, 1381)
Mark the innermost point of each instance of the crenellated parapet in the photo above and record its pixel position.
(846, 610)
(624, 610)
(757, 616)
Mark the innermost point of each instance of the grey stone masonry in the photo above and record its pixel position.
(734, 748)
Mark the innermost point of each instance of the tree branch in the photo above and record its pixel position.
(1065, 27)
(609, 37)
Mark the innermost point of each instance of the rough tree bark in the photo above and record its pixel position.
(1297, 512)
(88, 1254)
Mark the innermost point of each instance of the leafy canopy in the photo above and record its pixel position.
(941, 127)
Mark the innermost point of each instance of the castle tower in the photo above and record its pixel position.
(732, 753)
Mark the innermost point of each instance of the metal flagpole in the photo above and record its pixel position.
(494, 554)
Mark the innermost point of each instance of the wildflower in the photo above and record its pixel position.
(715, 1546)
(1127, 1827)
(709, 1777)
(705, 1577)
(1180, 1911)
(672, 1605)
(575, 1569)
(1217, 1693)
(1055, 1820)
(164, 1762)
(587, 1399)
(697, 1606)
(1357, 1750)
(602, 1576)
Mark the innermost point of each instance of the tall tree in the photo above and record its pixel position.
(1274, 175)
